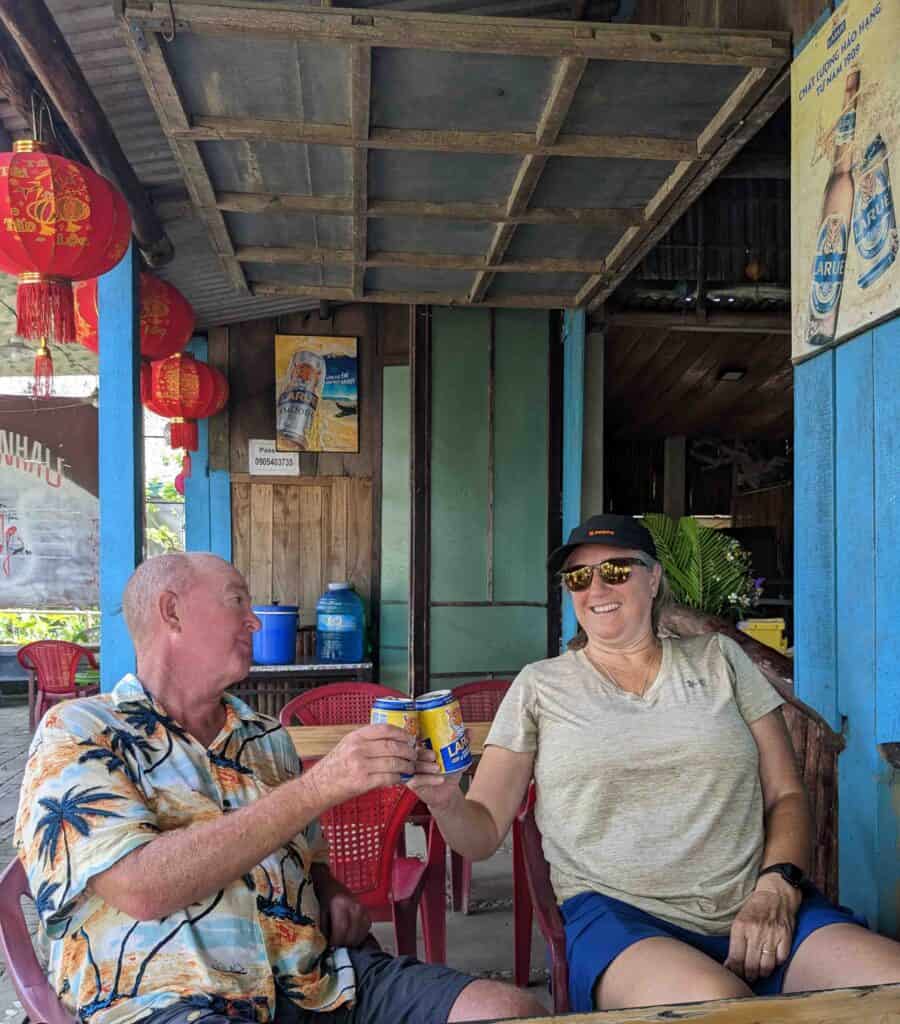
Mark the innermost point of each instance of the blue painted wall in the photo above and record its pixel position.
(207, 494)
(847, 557)
(574, 326)
(120, 461)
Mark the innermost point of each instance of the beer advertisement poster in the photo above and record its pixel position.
(316, 394)
(845, 144)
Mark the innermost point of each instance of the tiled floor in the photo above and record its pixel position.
(480, 942)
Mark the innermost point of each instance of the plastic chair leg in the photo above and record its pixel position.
(403, 913)
(461, 879)
(522, 913)
(434, 922)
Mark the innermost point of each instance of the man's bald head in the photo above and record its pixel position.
(177, 572)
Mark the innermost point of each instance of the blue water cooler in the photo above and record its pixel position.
(275, 643)
(340, 624)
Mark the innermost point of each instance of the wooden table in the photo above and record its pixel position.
(878, 1004)
(314, 741)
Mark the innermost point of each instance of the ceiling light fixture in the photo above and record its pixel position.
(732, 374)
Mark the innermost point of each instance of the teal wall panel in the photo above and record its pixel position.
(395, 485)
(520, 455)
(486, 639)
(459, 456)
(855, 637)
(814, 535)
(393, 634)
(847, 553)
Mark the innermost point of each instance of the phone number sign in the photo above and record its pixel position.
(266, 460)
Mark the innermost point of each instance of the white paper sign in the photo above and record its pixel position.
(266, 460)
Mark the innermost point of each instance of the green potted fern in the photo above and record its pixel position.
(707, 570)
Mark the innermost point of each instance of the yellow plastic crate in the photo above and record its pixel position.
(767, 631)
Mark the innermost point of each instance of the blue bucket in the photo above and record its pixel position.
(276, 642)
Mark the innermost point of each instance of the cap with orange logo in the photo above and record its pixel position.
(611, 530)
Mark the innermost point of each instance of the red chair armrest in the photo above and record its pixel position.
(92, 659)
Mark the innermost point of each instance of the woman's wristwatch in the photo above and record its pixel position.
(789, 872)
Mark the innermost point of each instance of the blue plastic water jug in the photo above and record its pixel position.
(340, 624)
(276, 642)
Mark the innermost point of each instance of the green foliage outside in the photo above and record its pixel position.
(21, 627)
(706, 569)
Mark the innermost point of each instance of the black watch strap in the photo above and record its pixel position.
(789, 872)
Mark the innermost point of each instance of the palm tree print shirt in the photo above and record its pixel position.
(107, 774)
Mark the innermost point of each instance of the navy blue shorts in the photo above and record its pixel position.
(599, 928)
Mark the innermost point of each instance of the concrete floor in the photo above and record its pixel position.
(480, 943)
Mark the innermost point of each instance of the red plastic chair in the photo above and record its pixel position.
(334, 704)
(34, 991)
(363, 837)
(529, 847)
(51, 666)
(478, 702)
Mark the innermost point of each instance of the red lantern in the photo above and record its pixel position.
(184, 390)
(59, 222)
(167, 320)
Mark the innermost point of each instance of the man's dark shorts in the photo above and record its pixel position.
(389, 990)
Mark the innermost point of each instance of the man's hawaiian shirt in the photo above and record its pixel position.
(107, 774)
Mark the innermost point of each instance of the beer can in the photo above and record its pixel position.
(442, 730)
(874, 217)
(299, 397)
(399, 711)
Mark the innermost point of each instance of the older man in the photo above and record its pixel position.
(171, 842)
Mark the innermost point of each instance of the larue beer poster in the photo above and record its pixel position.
(316, 394)
(845, 157)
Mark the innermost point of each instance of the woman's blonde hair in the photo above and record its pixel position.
(662, 599)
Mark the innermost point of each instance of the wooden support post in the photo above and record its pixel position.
(121, 462)
(594, 417)
(675, 458)
(573, 437)
(420, 497)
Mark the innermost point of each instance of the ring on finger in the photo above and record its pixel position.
(766, 952)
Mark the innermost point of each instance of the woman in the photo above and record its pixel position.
(674, 821)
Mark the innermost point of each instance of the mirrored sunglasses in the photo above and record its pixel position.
(613, 571)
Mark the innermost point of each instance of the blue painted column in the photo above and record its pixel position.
(207, 494)
(121, 461)
(574, 325)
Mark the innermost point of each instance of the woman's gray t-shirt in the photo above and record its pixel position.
(653, 800)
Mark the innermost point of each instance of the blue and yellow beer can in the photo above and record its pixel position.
(399, 711)
(442, 730)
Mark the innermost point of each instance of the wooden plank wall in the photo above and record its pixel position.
(788, 15)
(293, 535)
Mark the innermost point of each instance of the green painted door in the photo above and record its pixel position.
(489, 492)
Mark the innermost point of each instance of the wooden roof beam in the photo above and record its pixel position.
(299, 255)
(569, 72)
(169, 106)
(458, 33)
(526, 301)
(44, 48)
(204, 128)
(360, 116)
(272, 202)
(712, 323)
(748, 108)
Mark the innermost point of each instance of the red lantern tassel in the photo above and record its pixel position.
(183, 434)
(45, 308)
(43, 372)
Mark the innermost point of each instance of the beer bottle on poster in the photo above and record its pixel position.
(874, 218)
(830, 258)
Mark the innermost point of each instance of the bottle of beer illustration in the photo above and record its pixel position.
(830, 258)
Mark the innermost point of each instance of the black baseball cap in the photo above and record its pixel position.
(614, 531)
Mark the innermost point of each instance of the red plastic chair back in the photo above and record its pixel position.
(334, 704)
(34, 991)
(479, 701)
(55, 662)
(362, 836)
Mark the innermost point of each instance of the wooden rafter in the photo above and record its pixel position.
(566, 80)
(712, 323)
(758, 96)
(265, 289)
(466, 34)
(253, 129)
(272, 202)
(169, 107)
(317, 256)
(360, 114)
